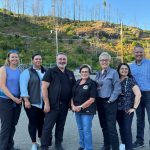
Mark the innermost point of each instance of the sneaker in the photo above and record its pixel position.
(137, 145)
(122, 147)
(39, 142)
(34, 147)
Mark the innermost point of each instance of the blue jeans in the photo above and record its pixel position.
(84, 123)
(140, 112)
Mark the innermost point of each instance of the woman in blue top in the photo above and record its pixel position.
(9, 100)
(128, 102)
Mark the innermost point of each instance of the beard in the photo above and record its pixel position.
(61, 65)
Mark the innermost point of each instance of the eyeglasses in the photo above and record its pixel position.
(84, 71)
(102, 60)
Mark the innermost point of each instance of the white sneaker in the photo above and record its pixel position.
(122, 147)
(39, 142)
(34, 147)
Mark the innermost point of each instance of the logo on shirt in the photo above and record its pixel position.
(85, 87)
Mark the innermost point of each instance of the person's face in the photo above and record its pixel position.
(13, 59)
(104, 62)
(37, 61)
(123, 71)
(61, 61)
(85, 73)
(138, 53)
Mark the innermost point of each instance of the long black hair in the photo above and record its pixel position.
(129, 70)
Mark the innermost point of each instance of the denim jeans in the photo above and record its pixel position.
(140, 112)
(125, 121)
(84, 123)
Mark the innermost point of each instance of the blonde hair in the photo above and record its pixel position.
(7, 63)
(104, 54)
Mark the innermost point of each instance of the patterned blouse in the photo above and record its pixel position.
(126, 98)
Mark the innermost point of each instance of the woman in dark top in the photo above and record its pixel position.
(128, 102)
(83, 104)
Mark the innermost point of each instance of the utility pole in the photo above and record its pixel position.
(121, 40)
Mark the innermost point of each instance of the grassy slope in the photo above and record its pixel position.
(83, 41)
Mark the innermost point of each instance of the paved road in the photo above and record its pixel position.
(23, 141)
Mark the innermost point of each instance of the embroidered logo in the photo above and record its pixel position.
(85, 87)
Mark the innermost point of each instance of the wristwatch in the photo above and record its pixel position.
(81, 107)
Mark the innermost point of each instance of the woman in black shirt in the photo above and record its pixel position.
(128, 102)
(83, 104)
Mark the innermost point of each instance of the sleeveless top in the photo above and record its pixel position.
(12, 82)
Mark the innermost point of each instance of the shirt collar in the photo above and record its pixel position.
(142, 61)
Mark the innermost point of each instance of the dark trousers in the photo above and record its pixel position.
(9, 116)
(107, 117)
(36, 121)
(53, 117)
(125, 122)
(140, 112)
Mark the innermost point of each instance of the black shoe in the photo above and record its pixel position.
(80, 148)
(137, 144)
(44, 148)
(58, 147)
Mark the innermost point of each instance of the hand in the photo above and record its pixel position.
(17, 100)
(77, 108)
(131, 110)
(46, 108)
(27, 104)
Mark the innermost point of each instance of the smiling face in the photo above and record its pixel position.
(104, 62)
(61, 61)
(37, 61)
(13, 59)
(85, 74)
(124, 71)
(138, 53)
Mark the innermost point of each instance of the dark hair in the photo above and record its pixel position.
(85, 66)
(35, 55)
(129, 72)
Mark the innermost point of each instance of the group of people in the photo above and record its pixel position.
(47, 95)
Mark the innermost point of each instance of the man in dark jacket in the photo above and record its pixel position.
(57, 88)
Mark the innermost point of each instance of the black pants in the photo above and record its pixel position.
(53, 117)
(36, 121)
(107, 117)
(125, 122)
(9, 116)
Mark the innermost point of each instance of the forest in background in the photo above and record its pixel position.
(82, 39)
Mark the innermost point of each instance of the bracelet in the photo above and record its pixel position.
(134, 108)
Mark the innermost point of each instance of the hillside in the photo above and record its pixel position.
(82, 41)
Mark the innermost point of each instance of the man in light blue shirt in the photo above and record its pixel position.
(141, 71)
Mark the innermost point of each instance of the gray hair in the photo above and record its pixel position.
(104, 54)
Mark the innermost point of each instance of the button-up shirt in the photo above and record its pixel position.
(141, 73)
(108, 84)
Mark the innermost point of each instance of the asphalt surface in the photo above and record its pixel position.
(22, 139)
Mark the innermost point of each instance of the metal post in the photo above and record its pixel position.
(56, 41)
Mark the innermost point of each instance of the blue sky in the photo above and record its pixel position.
(130, 12)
